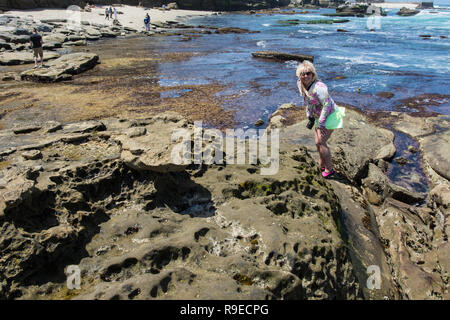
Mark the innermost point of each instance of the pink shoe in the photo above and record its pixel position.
(328, 175)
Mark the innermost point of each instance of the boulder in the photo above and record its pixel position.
(376, 185)
(439, 196)
(20, 39)
(405, 195)
(172, 5)
(108, 33)
(51, 45)
(54, 37)
(44, 27)
(62, 68)
(350, 10)
(405, 12)
(74, 43)
(6, 36)
(4, 45)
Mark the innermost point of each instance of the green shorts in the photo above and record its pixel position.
(334, 120)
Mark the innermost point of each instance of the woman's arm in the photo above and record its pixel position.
(308, 107)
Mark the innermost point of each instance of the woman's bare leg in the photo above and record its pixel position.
(324, 152)
(316, 140)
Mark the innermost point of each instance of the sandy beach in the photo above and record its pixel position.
(129, 16)
(397, 5)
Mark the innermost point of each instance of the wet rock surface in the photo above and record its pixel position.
(402, 232)
(207, 232)
(282, 56)
(433, 136)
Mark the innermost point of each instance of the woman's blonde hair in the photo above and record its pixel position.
(306, 66)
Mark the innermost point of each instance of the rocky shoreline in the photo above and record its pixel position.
(105, 195)
(142, 228)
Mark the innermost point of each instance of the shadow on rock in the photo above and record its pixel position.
(177, 191)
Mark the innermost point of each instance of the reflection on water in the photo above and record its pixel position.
(409, 175)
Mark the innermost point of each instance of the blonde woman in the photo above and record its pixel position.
(322, 111)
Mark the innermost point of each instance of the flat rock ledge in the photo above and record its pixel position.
(62, 68)
(281, 56)
(20, 57)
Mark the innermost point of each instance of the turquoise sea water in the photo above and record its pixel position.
(393, 58)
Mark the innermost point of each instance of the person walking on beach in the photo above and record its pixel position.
(115, 13)
(106, 14)
(147, 22)
(322, 112)
(110, 12)
(36, 44)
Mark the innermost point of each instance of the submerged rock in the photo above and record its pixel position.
(282, 56)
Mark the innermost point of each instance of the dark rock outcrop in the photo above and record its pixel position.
(273, 55)
(405, 12)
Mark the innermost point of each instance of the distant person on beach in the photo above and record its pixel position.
(106, 14)
(110, 12)
(322, 112)
(115, 14)
(36, 44)
(147, 22)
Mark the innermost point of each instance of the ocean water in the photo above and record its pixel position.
(392, 58)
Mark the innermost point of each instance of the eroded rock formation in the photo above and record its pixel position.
(204, 232)
(402, 232)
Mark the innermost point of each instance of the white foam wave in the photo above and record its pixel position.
(365, 60)
(291, 63)
(266, 24)
(261, 43)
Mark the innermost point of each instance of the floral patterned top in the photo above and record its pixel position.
(319, 104)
